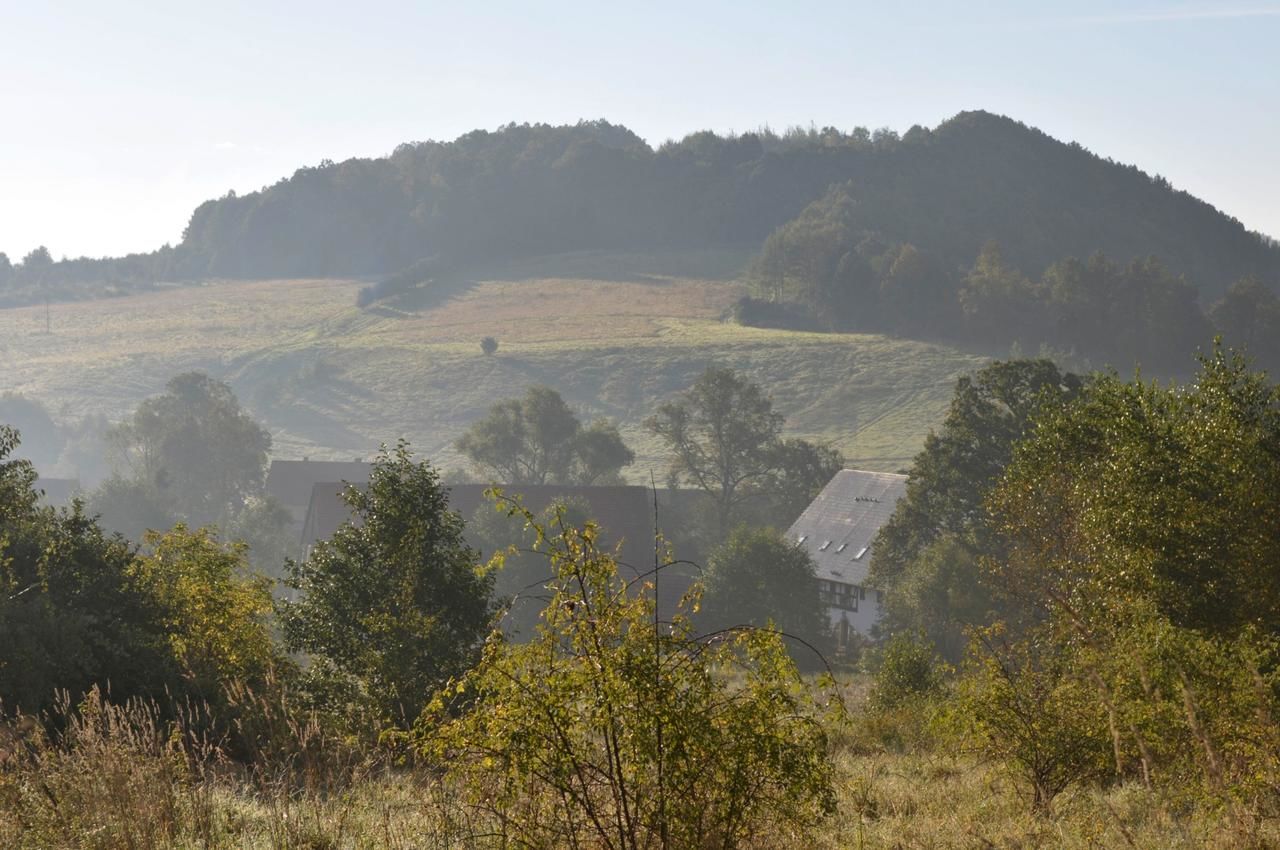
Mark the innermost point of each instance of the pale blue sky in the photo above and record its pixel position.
(117, 119)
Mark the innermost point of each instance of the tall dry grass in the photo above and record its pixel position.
(100, 775)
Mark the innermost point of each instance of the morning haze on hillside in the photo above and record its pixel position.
(796, 426)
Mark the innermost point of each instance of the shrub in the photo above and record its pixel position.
(760, 313)
(908, 670)
(488, 345)
(607, 730)
(1020, 703)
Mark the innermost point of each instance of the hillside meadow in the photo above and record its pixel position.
(614, 333)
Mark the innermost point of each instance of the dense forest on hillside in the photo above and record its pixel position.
(830, 269)
(535, 189)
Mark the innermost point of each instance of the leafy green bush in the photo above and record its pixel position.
(610, 729)
(394, 601)
(1020, 703)
(908, 670)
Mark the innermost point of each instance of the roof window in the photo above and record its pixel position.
(824, 545)
(841, 548)
(803, 538)
(861, 552)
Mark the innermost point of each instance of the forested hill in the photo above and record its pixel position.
(527, 190)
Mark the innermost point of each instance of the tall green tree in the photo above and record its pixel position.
(800, 470)
(758, 578)
(1248, 317)
(395, 603)
(1137, 491)
(927, 555)
(195, 448)
(1142, 532)
(723, 435)
(70, 614)
(538, 439)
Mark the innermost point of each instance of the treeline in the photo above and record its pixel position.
(535, 189)
(38, 277)
(161, 586)
(829, 268)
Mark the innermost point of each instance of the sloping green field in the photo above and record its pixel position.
(615, 335)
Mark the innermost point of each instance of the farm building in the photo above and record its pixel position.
(290, 482)
(58, 492)
(838, 529)
(624, 514)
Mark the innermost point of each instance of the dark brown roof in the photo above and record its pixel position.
(289, 482)
(840, 525)
(624, 514)
(58, 492)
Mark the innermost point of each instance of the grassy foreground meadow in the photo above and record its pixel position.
(615, 334)
(124, 783)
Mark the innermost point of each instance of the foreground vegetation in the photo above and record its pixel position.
(120, 781)
(1080, 650)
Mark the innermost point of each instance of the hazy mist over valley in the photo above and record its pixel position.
(564, 464)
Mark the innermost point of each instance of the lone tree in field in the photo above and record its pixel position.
(488, 345)
(538, 439)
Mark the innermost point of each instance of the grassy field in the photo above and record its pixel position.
(615, 334)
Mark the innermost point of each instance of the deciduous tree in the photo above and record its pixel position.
(723, 435)
(609, 731)
(926, 556)
(758, 578)
(395, 602)
(538, 439)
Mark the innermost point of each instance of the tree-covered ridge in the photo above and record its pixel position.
(533, 189)
(830, 267)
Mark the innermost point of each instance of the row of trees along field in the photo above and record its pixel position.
(833, 268)
(536, 189)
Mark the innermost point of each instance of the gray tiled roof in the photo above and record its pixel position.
(847, 516)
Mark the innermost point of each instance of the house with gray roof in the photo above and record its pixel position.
(838, 529)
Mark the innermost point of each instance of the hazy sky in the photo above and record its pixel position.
(117, 119)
